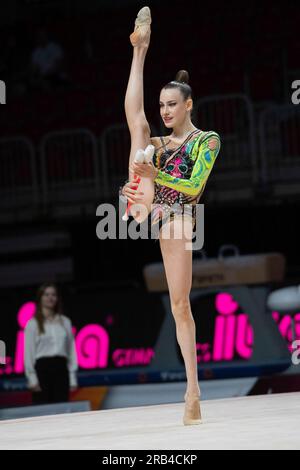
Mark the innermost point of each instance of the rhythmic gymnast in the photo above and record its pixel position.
(175, 177)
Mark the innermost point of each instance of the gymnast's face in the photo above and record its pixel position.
(174, 110)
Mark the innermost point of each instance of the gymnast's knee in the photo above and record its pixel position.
(181, 309)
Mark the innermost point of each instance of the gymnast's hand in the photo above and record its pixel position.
(147, 170)
(130, 190)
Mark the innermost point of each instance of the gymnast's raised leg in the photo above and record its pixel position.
(134, 108)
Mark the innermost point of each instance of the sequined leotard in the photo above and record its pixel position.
(182, 173)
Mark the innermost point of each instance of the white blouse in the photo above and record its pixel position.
(58, 340)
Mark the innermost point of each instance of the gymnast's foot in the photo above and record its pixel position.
(142, 30)
(192, 411)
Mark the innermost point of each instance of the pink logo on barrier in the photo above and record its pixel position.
(284, 323)
(92, 345)
(25, 314)
(126, 357)
(233, 333)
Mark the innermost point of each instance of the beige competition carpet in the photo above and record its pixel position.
(256, 422)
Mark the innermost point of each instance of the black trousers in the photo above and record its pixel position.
(53, 376)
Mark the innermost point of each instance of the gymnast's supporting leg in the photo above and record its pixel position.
(178, 268)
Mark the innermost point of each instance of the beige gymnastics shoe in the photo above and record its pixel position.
(142, 29)
(192, 411)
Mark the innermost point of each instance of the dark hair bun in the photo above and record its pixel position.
(182, 76)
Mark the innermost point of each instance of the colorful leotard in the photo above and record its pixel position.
(182, 177)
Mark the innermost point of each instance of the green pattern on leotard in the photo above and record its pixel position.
(204, 158)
